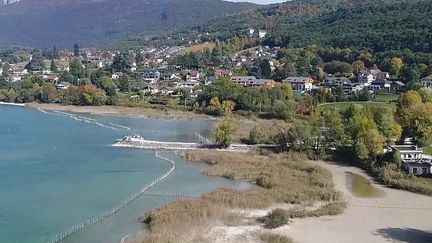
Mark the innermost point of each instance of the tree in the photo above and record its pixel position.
(396, 65)
(282, 110)
(37, 63)
(122, 63)
(53, 66)
(124, 83)
(224, 133)
(227, 107)
(265, 68)
(256, 136)
(48, 93)
(358, 66)
(76, 50)
(76, 68)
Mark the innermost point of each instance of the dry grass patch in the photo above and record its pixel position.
(284, 178)
(275, 238)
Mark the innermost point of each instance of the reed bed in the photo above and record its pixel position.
(276, 178)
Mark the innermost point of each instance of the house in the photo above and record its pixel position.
(192, 75)
(251, 81)
(414, 161)
(223, 73)
(368, 76)
(209, 80)
(427, 81)
(262, 34)
(380, 84)
(167, 91)
(116, 75)
(300, 83)
(15, 78)
(398, 86)
(408, 152)
(337, 81)
(53, 79)
(151, 77)
(350, 88)
(63, 86)
(151, 89)
(190, 84)
(421, 167)
(169, 77)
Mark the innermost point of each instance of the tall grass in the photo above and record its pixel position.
(284, 178)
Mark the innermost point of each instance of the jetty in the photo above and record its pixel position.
(139, 142)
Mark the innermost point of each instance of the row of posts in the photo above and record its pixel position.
(105, 215)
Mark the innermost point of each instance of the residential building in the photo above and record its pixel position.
(337, 81)
(193, 75)
(189, 84)
(220, 73)
(368, 76)
(427, 81)
(408, 152)
(151, 77)
(251, 81)
(398, 86)
(63, 86)
(380, 84)
(350, 88)
(421, 167)
(300, 83)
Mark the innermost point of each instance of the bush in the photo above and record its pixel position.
(276, 219)
(266, 182)
(274, 238)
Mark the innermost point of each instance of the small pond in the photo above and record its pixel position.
(361, 186)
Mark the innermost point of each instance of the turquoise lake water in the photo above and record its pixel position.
(57, 170)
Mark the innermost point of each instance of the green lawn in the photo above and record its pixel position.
(427, 150)
(386, 98)
(341, 106)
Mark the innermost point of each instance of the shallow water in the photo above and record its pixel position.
(57, 170)
(361, 186)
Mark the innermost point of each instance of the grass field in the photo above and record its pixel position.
(427, 150)
(200, 47)
(341, 106)
(386, 98)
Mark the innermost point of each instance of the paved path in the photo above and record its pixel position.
(399, 216)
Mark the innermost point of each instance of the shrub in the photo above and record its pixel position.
(266, 182)
(276, 219)
(274, 238)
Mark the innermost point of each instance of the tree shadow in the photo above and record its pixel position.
(405, 235)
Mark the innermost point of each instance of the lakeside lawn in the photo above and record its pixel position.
(341, 106)
(428, 150)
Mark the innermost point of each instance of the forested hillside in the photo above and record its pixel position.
(43, 23)
(376, 24)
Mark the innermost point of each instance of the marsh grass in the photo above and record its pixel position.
(275, 238)
(283, 178)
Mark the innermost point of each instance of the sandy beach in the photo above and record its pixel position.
(123, 111)
(399, 216)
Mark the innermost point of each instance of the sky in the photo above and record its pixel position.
(260, 1)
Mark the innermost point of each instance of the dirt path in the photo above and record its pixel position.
(399, 216)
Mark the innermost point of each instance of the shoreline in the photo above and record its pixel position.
(123, 111)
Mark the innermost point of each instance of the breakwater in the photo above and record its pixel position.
(75, 228)
(139, 142)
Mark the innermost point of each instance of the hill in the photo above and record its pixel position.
(380, 25)
(42, 23)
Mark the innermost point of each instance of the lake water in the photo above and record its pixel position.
(57, 170)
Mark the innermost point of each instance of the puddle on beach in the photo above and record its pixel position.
(361, 186)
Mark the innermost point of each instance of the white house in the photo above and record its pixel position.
(151, 77)
(300, 83)
(192, 75)
(427, 81)
(408, 152)
(262, 34)
(380, 84)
